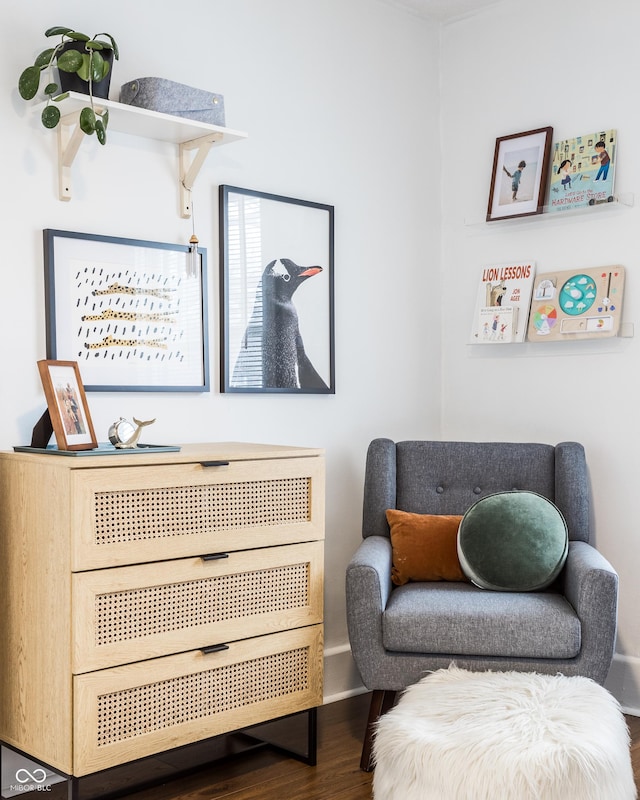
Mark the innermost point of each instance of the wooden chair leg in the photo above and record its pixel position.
(381, 701)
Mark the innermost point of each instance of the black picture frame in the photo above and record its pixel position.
(271, 247)
(129, 311)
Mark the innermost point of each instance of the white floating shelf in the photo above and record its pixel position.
(193, 138)
(622, 199)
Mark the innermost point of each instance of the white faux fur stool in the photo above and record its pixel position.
(459, 735)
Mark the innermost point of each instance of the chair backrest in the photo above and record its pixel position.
(428, 477)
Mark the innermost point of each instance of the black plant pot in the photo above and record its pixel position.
(70, 82)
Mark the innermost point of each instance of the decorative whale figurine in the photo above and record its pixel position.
(124, 436)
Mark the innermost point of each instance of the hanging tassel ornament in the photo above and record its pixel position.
(193, 257)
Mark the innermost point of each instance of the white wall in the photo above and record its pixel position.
(341, 104)
(346, 103)
(515, 67)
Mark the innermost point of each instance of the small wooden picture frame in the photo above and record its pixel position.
(67, 405)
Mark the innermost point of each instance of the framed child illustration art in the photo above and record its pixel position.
(519, 176)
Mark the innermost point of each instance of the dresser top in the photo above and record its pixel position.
(188, 453)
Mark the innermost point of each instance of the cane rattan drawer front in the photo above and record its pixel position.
(140, 709)
(133, 613)
(157, 599)
(134, 514)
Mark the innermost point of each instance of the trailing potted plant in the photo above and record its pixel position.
(84, 65)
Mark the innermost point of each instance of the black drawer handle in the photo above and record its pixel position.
(214, 556)
(214, 648)
(214, 463)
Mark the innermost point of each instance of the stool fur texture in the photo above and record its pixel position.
(460, 735)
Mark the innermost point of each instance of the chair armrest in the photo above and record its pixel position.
(591, 586)
(371, 567)
(368, 586)
(588, 571)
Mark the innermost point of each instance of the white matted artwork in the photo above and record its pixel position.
(276, 275)
(518, 180)
(130, 312)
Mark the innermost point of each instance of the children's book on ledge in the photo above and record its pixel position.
(502, 303)
(583, 171)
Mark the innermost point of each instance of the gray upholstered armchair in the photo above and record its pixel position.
(398, 633)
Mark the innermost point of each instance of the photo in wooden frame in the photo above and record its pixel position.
(519, 176)
(67, 404)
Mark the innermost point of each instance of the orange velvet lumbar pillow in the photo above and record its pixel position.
(424, 547)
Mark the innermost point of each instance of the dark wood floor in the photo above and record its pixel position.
(268, 775)
(634, 730)
(264, 774)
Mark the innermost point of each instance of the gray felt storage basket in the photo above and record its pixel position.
(169, 97)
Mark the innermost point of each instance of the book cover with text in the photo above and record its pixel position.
(583, 171)
(502, 303)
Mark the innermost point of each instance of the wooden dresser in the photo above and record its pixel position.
(152, 599)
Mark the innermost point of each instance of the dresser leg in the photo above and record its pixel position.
(308, 756)
(73, 788)
(312, 741)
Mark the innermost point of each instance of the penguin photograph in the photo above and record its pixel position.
(277, 309)
(272, 340)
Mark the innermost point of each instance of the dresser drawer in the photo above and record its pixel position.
(136, 710)
(127, 515)
(134, 613)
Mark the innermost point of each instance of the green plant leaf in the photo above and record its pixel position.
(57, 30)
(105, 117)
(60, 97)
(50, 116)
(97, 66)
(83, 69)
(100, 67)
(51, 88)
(71, 61)
(94, 44)
(91, 61)
(106, 66)
(101, 132)
(29, 82)
(87, 120)
(113, 46)
(44, 59)
(77, 37)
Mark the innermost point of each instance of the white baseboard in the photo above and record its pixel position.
(623, 682)
(341, 678)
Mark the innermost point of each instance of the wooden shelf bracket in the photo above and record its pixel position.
(190, 165)
(194, 139)
(70, 136)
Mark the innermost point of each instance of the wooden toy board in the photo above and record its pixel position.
(576, 304)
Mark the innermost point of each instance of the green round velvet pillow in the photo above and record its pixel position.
(512, 542)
